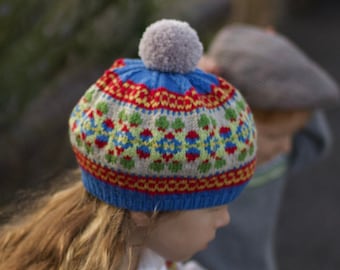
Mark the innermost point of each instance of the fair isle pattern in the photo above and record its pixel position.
(138, 95)
(207, 142)
(167, 185)
(156, 136)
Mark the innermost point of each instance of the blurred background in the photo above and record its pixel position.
(51, 51)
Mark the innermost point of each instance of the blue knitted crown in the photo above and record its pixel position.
(158, 133)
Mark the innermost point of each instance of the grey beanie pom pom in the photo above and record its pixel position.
(170, 46)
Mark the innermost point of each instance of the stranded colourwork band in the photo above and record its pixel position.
(149, 135)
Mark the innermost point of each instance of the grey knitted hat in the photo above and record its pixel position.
(271, 72)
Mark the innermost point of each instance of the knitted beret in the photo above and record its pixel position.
(270, 71)
(160, 134)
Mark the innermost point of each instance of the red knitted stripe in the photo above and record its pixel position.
(167, 185)
(161, 98)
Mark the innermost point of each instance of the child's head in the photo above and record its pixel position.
(158, 134)
(275, 131)
(280, 83)
(177, 236)
(162, 148)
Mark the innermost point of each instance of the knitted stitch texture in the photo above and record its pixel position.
(153, 140)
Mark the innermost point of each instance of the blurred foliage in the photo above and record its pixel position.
(37, 38)
(50, 52)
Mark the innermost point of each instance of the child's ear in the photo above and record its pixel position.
(141, 219)
(208, 64)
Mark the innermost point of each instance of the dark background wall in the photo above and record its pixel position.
(309, 227)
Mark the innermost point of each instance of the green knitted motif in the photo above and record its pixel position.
(230, 114)
(162, 122)
(220, 163)
(89, 94)
(204, 167)
(102, 107)
(175, 166)
(203, 121)
(157, 166)
(135, 119)
(178, 124)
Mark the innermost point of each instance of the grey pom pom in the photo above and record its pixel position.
(170, 46)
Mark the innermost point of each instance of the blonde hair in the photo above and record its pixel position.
(69, 229)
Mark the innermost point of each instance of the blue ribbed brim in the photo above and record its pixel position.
(141, 201)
